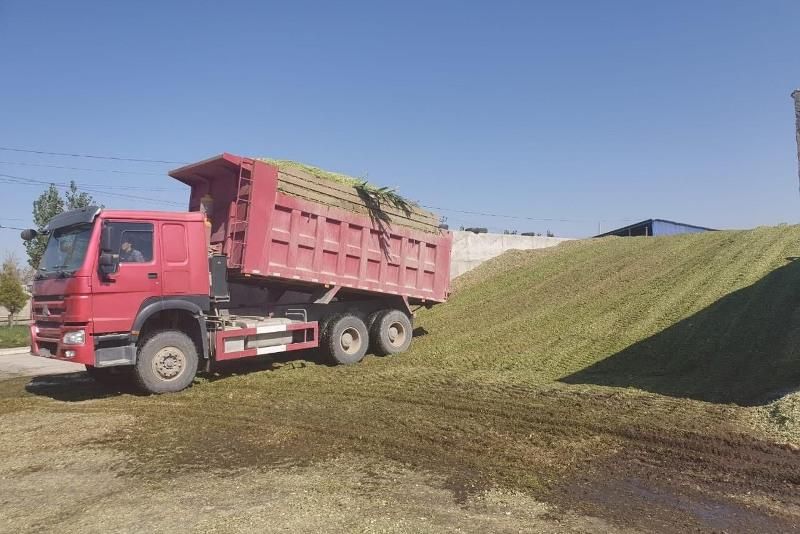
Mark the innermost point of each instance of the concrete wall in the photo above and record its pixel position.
(22, 317)
(470, 250)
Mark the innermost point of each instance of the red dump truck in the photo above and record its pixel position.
(267, 259)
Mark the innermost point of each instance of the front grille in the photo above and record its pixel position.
(48, 324)
(49, 311)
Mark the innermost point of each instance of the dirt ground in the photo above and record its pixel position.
(612, 385)
(81, 458)
(57, 475)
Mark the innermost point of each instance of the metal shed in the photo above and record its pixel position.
(656, 227)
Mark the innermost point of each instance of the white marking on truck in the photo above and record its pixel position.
(270, 328)
(270, 350)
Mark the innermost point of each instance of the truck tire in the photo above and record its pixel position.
(391, 332)
(346, 339)
(110, 376)
(167, 362)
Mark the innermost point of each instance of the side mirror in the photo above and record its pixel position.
(105, 240)
(28, 234)
(109, 263)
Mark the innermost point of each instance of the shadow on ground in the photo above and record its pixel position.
(75, 387)
(743, 349)
(78, 386)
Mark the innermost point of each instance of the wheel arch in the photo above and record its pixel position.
(181, 313)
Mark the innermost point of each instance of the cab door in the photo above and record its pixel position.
(118, 297)
(174, 258)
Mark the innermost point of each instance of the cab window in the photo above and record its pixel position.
(132, 241)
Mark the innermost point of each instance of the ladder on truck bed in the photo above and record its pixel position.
(238, 221)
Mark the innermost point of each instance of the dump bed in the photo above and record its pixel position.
(290, 225)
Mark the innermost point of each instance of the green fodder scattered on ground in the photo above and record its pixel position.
(13, 336)
(780, 419)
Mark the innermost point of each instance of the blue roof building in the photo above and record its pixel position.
(656, 227)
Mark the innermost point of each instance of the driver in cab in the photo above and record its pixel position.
(128, 254)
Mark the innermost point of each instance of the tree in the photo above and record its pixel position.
(49, 204)
(12, 295)
(75, 199)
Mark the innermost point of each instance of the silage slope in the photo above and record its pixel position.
(711, 316)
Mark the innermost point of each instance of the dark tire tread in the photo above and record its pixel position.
(379, 332)
(330, 339)
(143, 374)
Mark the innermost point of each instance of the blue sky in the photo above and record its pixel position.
(593, 113)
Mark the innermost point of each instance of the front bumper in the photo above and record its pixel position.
(47, 343)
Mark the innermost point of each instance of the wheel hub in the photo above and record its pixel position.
(169, 362)
(350, 340)
(396, 334)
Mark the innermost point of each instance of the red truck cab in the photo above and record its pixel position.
(90, 313)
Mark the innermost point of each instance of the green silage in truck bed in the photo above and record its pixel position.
(382, 204)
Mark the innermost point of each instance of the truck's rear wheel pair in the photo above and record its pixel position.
(167, 362)
(346, 338)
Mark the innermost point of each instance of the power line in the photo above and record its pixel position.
(115, 171)
(3, 227)
(90, 156)
(145, 160)
(486, 214)
(85, 185)
(32, 181)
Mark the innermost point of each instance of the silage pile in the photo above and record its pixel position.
(712, 316)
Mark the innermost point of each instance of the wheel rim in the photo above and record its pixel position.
(169, 363)
(397, 334)
(350, 340)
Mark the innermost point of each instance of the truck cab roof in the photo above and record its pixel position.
(151, 215)
(89, 213)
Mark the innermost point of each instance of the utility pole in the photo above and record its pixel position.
(796, 96)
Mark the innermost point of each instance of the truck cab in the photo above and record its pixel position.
(105, 273)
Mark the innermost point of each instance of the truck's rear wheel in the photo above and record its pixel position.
(167, 362)
(391, 332)
(346, 339)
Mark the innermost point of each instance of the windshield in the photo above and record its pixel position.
(65, 250)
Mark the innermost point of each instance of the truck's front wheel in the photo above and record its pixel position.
(167, 362)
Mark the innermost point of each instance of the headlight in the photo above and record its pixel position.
(78, 337)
